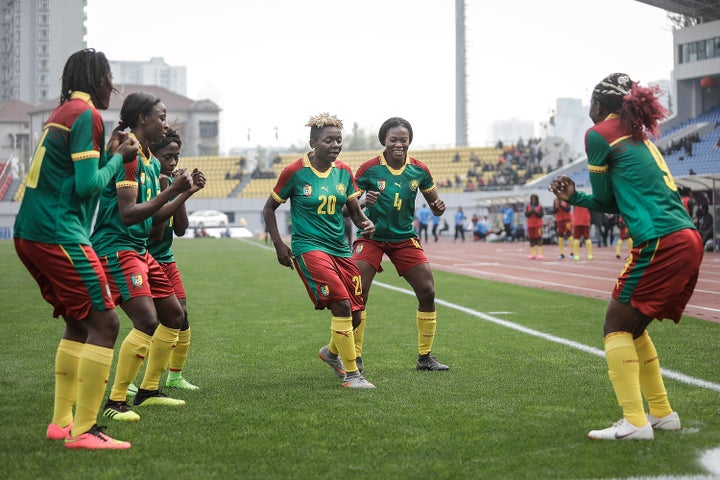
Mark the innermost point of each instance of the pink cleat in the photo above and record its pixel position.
(56, 432)
(95, 439)
(531, 257)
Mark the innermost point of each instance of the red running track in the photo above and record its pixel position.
(508, 262)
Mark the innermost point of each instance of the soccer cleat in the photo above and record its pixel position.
(590, 257)
(154, 397)
(561, 256)
(576, 257)
(120, 411)
(356, 380)
(333, 360)
(540, 257)
(132, 390)
(95, 439)
(56, 432)
(668, 422)
(623, 430)
(358, 362)
(531, 257)
(181, 383)
(428, 362)
(617, 256)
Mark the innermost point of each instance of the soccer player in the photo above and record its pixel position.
(391, 182)
(563, 225)
(624, 234)
(167, 152)
(52, 238)
(318, 185)
(534, 213)
(137, 282)
(629, 175)
(581, 230)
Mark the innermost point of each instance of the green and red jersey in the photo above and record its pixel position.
(67, 173)
(632, 178)
(394, 212)
(110, 233)
(162, 249)
(316, 201)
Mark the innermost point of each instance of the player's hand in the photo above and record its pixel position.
(182, 181)
(371, 197)
(198, 180)
(437, 207)
(128, 147)
(284, 255)
(563, 187)
(368, 229)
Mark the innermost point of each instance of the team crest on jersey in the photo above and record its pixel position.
(414, 184)
(136, 280)
(359, 248)
(340, 188)
(142, 178)
(325, 290)
(307, 189)
(381, 185)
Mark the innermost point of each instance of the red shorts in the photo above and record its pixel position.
(134, 275)
(404, 255)
(173, 275)
(71, 277)
(329, 279)
(534, 233)
(564, 228)
(624, 233)
(581, 231)
(660, 275)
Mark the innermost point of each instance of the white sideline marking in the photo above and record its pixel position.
(681, 377)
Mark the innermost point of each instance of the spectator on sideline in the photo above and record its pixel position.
(624, 235)
(508, 219)
(459, 224)
(534, 213)
(704, 224)
(629, 176)
(391, 182)
(318, 185)
(581, 230)
(52, 239)
(423, 217)
(563, 225)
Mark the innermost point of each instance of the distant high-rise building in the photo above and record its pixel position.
(155, 72)
(36, 38)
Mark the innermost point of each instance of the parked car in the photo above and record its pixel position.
(208, 218)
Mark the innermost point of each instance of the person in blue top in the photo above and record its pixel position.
(435, 223)
(423, 217)
(508, 219)
(459, 224)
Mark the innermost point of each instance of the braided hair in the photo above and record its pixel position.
(638, 107)
(84, 71)
(136, 104)
(320, 121)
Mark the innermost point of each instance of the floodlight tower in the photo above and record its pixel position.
(461, 119)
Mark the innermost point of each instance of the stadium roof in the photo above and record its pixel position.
(702, 10)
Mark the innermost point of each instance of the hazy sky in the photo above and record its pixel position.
(274, 63)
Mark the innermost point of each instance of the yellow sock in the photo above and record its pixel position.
(575, 247)
(629, 243)
(651, 381)
(426, 324)
(162, 345)
(624, 370)
(619, 248)
(532, 251)
(561, 244)
(66, 365)
(342, 334)
(93, 373)
(539, 248)
(359, 334)
(180, 354)
(588, 245)
(132, 355)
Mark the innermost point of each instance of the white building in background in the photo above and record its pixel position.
(154, 72)
(509, 131)
(36, 38)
